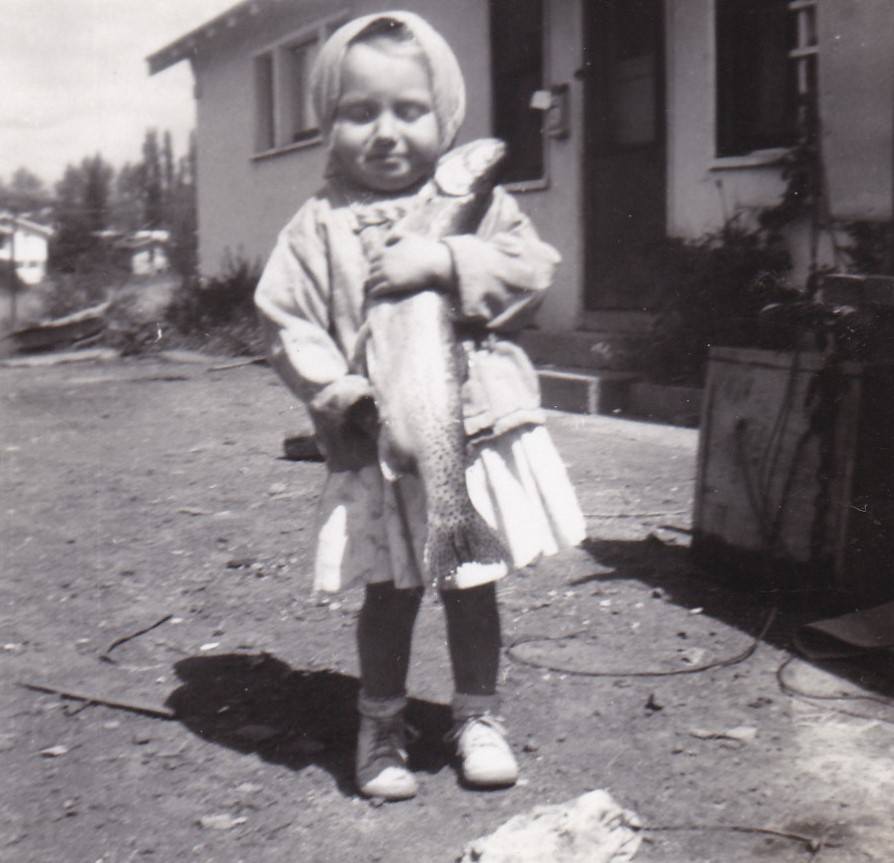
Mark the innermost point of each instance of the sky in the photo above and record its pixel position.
(75, 79)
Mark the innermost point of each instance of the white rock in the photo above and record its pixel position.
(592, 828)
(220, 822)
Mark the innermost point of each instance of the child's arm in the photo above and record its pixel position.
(293, 299)
(498, 274)
(502, 272)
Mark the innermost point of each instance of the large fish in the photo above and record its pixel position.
(416, 368)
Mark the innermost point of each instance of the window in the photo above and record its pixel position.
(516, 36)
(284, 113)
(265, 104)
(625, 86)
(766, 72)
(301, 121)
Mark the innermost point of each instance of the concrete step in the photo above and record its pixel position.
(584, 349)
(585, 391)
(588, 391)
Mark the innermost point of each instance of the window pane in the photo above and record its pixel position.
(302, 121)
(265, 133)
(632, 65)
(756, 88)
(516, 32)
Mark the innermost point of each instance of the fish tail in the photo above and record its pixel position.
(464, 553)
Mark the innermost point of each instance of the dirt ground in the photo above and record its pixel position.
(156, 549)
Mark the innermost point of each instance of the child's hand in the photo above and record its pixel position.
(410, 263)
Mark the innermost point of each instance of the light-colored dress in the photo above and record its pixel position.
(311, 301)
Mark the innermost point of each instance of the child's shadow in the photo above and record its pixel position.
(258, 704)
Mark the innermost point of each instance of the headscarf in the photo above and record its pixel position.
(447, 86)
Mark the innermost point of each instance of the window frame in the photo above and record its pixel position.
(798, 58)
(278, 116)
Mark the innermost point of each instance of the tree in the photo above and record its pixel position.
(168, 178)
(127, 198)
(98, 176)
(24, 193)
(28, 186)
(72, 238)
(82, 210)
(181, 215)
(152, 182)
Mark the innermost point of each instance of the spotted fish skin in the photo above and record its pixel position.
(416, 369)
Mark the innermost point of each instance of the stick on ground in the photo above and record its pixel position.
(155, 710)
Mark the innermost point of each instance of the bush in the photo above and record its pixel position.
(90, 283)
(713, 290)
(869, 250)
(218, 313)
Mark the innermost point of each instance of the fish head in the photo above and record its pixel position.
(471, 168)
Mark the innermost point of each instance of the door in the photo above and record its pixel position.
(624, 158)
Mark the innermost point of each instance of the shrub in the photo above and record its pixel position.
(713, 290)
(869, 250)
(218, 313)
(92, 282)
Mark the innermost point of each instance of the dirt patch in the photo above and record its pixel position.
(157, 548)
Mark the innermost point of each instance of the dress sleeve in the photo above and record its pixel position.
(502, 271)
(293, 300)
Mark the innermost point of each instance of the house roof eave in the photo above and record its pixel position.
(187, 46)
(23, 224)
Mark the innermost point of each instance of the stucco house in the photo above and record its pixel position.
(26, 242)
(627, 120)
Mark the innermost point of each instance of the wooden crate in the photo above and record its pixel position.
(795, 480)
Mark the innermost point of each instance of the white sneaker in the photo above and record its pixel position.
(381, 768)
(485, 756)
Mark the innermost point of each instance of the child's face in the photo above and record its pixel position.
(385, 136)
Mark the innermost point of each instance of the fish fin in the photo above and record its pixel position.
(389, 462)
(465, 554)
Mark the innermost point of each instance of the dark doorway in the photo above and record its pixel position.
(625, 161)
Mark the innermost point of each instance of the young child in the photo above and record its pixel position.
(390, 98)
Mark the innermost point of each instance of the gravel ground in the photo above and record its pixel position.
(156, 549)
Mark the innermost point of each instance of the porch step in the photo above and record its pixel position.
(625, 394)
(583, 349)
(585, 391)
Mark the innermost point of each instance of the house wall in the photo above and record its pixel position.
(704, 190)
(245, 200)
(856, 92)
(558, 210)
(856, 76)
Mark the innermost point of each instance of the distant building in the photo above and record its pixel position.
(26, 242)
(146, 251)
(650, 118)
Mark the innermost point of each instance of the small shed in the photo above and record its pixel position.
(24, 243)
(147, 252)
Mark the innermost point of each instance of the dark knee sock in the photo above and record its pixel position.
(384, 635)
(473, 636)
